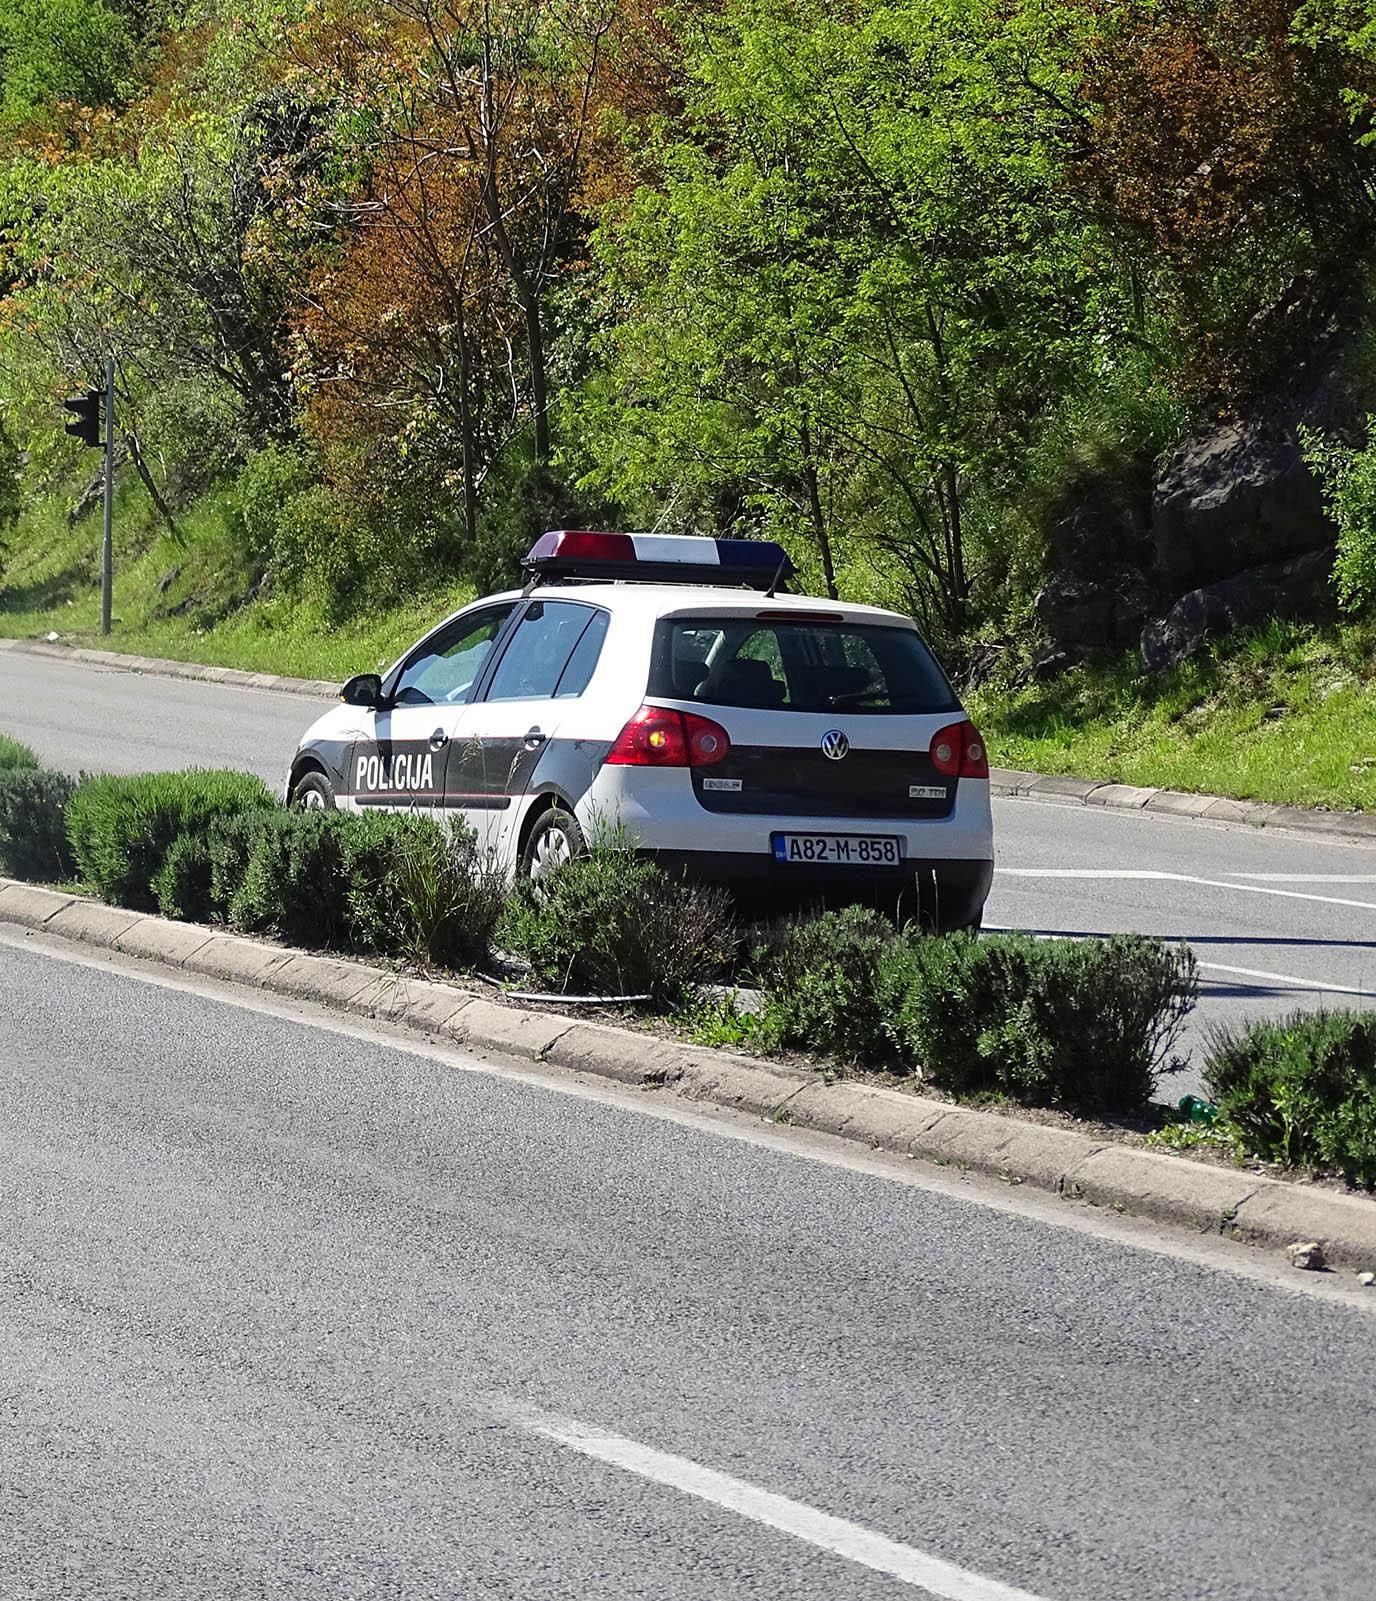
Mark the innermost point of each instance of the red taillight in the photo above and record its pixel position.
(658, 736)
(958, 752)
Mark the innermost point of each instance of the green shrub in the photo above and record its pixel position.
(282, 873)
(181, 886)
(121, 828)
(1302, 1090)
(33, 828)
(612, 923)
(13, 754)
(372, 882)
(1086, 1024)
(820, 979)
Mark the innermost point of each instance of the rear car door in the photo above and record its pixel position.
(509, 748)
(402, 759)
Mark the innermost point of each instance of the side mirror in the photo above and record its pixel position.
(363, 689)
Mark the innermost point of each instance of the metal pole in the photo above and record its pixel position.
(107, 558)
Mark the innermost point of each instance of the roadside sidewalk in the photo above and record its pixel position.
(1359, 827)
(1233, 1203)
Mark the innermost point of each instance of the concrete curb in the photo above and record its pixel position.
(163, 667)
(1242, 1206)
(1350, 827)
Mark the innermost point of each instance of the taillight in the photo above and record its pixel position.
(958, 752)
(658, 736)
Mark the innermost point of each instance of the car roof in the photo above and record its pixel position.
(664, 600)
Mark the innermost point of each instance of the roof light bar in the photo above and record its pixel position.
(660, 558)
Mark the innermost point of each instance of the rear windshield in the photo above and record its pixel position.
(804, 666)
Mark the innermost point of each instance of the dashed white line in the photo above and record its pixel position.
(836, 1535)
(1283, 980)
(1153, 875)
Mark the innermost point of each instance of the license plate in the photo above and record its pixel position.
(839, 850)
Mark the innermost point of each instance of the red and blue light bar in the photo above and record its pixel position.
(662, 558)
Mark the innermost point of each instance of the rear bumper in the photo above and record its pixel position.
(942, 893)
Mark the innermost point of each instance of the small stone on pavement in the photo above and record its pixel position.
(1306, 1254)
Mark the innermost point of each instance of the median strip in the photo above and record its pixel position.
(1237, 1204)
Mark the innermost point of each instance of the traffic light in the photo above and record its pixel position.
(85, 423)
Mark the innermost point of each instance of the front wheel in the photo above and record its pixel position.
(312, 793)
(554, 840)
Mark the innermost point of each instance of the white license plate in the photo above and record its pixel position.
(839, 850)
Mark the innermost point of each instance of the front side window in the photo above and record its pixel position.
(806, 666)
(445, 669)
(539, 657)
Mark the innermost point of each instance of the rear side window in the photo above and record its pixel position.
(805, 666)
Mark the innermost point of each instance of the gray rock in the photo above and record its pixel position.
(1296, 588)
(1306, 1254)
(1236, 497)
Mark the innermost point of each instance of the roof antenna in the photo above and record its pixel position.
(778, 575)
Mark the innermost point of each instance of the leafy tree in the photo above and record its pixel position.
(855, 280)
(54, 51)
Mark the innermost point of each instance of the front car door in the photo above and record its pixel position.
(402, 761)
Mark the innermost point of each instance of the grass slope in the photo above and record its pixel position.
(1283, 713)
(189, 598)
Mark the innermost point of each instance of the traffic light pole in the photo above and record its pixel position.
(107, 558)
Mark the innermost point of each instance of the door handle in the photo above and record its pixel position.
(534, 738)
(438, 740)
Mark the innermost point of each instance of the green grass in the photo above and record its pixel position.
(51, 584)
(1284, 713)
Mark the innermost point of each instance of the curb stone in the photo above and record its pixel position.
(1351, 827)
(1241, 1206)
(1009, 782)
(165, 667)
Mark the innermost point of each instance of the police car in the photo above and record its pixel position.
(671, 690)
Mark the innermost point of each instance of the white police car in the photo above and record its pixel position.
(665, 686)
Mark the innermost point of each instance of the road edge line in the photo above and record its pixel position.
(1243, 1206)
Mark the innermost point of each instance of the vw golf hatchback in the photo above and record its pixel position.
(668, 689)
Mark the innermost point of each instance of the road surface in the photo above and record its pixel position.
(1277, 921)
(289, 1311)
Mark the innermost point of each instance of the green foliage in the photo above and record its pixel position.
(53, 51)
(1302, 1091)
(13, 754)
(181, 886)
(1083, 1024)
(121, 828)
(33, 832)
(609, 923)
(372, 882)
(1349, 485)
(819, 978)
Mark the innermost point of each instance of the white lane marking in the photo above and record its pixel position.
(1176, 878)
(1311, 878)
(1283, 980)
(803, 1522)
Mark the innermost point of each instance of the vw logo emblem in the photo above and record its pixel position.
(834, 744)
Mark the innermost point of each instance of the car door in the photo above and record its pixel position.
(509, 731)
(402, 760)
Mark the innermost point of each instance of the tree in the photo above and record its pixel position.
(854, 282)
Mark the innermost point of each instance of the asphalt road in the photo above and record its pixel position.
(1277, 921)
(289, 1312)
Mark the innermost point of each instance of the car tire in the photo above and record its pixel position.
(312, 793)
(555, 838)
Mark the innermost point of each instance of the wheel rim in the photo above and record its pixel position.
(552, 849)
(311, 800)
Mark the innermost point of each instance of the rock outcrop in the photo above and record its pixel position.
(1295, 588)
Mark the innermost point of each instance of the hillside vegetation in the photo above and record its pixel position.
(392, 286)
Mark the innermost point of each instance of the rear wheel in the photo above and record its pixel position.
(554, 840)
(312, 793)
